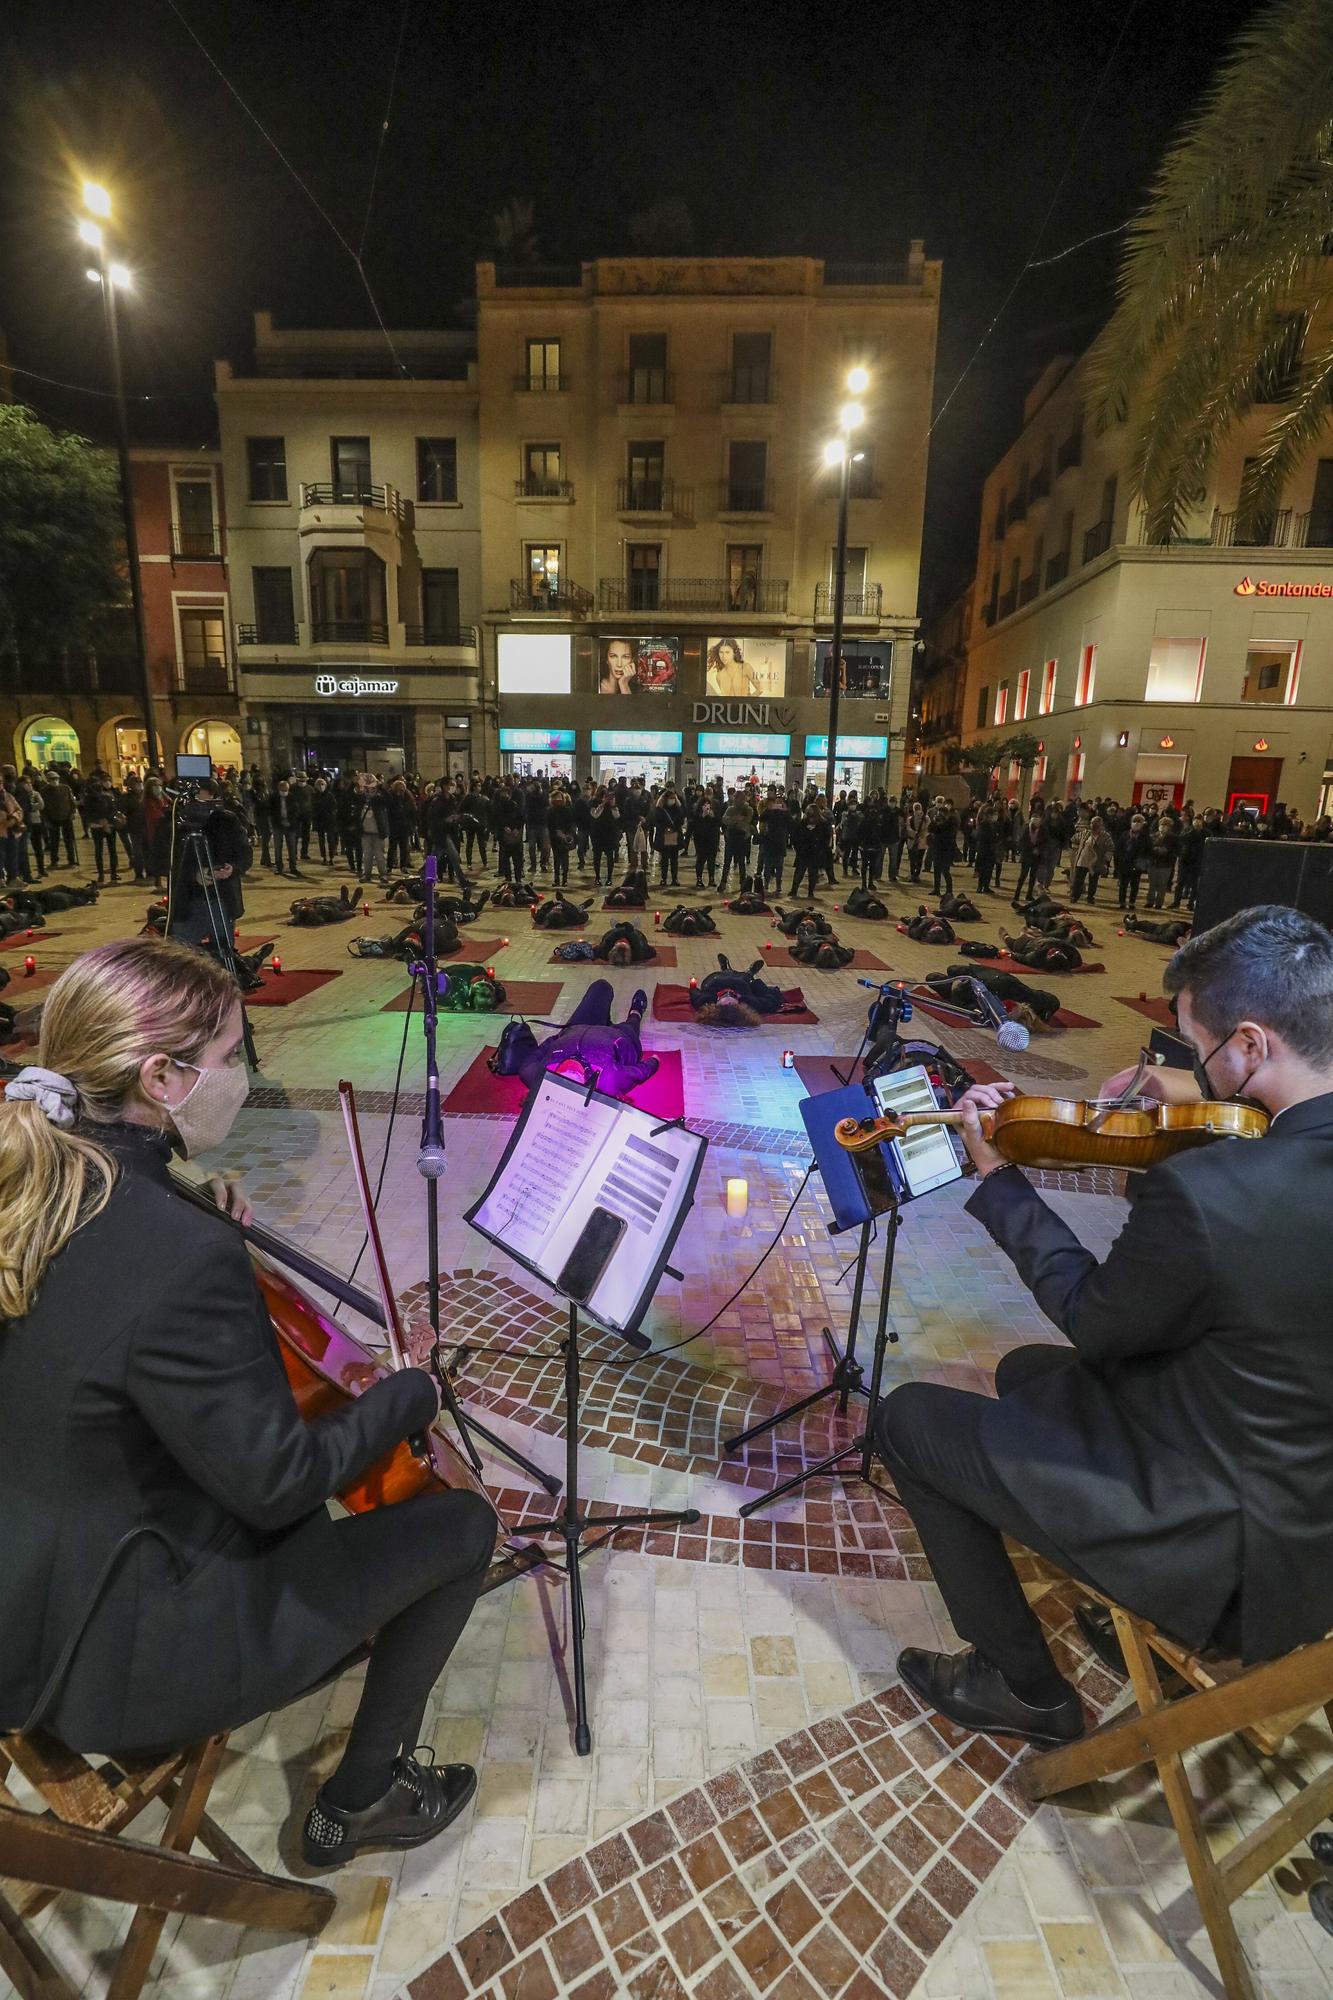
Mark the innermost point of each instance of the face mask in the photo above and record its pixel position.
(1200, 1069)
(207, 1112)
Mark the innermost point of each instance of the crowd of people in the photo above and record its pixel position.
(538, 827)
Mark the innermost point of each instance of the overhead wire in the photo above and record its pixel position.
(384, 130)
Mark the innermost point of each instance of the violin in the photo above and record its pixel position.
(1033, 1131)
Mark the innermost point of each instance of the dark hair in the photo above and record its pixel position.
(1268, 964)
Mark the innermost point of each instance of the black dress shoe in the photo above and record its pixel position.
(973, 1692)
(1321, 1905)
(420, 1803)
(1321, 1846)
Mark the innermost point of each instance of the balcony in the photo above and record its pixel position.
(196, 545)
(1057, 569)
(440, 635)
(1070, 453)
(1007, 605)
(543, 489)
(1313, 531)
(997, 533)
(379, 499)
(535, 277)
(528, 384)
(766, 595)
(641, 386)
(1097, 540)
(207, 676)
(348, 632)
(862, 485)
(749, 386)
(653, 496)
(745, 496)
(868, 602)
(272, 632)
(1251, 531)
(559, 600)
(1028, 588)
(1039, 486)
(1017, 511)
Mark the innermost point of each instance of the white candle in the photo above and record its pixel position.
(738, 1196)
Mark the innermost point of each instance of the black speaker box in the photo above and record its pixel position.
(1236, 874)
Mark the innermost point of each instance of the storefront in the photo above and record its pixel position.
(857, 767)
(219, 741)
(49, 740)
(738, 758)
(345, 739)
(867, 668)
(650, 754)
(528, 753)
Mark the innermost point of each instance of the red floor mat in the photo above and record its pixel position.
(1065, 1017)
(23, 986)
(525, 996)
(666, 955)
(861, 961)
(505, 1096)
(1156, 1010)
(1022, 970)
(26, 941)
(281, 988)
(672, 1003)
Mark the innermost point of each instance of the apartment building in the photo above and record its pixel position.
(1202, 669)
(939, 685)
(659, 527)
(351, 464)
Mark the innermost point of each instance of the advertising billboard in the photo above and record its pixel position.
(641, 742)
(740, 668)
(537, 739)
(633, 666)
(534, 662)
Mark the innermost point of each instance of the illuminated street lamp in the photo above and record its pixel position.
(113, 277)
(838, 451)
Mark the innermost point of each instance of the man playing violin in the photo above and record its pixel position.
(1177, 1453)
(170, 1566)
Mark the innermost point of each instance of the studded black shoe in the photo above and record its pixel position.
(420, 1803)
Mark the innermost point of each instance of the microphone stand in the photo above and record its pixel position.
(430, 1165)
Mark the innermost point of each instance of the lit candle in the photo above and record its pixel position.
(738, 1196)
(277, 963)
(789, 1058)
(29, 967)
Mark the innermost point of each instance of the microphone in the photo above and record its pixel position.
(1009, 1034)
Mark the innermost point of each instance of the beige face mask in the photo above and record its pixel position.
(207, 1112)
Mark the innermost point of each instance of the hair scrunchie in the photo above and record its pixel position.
(53, 1093)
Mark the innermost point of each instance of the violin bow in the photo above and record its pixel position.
(1148, 1059)
(393, 1324)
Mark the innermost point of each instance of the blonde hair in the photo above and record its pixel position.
(106, 1014)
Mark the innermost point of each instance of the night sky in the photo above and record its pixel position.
(820, 129)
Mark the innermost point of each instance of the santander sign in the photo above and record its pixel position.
(1248, 587)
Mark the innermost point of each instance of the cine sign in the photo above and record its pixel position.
(330, 684)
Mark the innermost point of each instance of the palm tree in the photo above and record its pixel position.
(515, 230)
(1223, 274)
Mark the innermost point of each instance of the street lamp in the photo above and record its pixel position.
(113, 277)
(838, 451)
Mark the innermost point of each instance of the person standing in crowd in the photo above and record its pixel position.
(1130, 855)
(987, 835)
(507, 826)
(472, 821)
(58, 800)
(774, 833)
(604, 821)
(737, 833)
(851, 821)
(536, 829)
(102, 810)
(373, 826)
(259, 799)
(402, 824)
(943, 845)
(282, 820)
(324, 818)
(302, 813)
(916, 836)
(1161, 860)
(560, 827)
(226, 856)
(668, 833)
(806, 842)
(1093, 855)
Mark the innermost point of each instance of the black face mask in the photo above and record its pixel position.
(1200, 1069)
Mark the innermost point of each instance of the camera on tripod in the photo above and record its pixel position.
(191, 811)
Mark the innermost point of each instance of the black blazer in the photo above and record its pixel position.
(157, 1482)
(1186, 1453)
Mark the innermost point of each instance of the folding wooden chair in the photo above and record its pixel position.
(77, 1844)
(1263, 1703)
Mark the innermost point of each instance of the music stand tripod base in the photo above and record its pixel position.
(571, 1525)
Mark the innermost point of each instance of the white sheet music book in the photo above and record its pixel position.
(573, 1152)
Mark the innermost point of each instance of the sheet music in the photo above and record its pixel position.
(561, 1138)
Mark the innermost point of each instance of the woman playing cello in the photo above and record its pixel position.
(170, 1566)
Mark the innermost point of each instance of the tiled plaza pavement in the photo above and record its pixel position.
(766, 1811)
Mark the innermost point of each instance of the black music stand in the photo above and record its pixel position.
(630, 1164)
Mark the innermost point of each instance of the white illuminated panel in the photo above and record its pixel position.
(534, 662)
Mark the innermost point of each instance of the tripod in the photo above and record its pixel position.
(200, 863)
(571, 1526)
(430, 1165)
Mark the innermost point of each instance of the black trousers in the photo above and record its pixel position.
(929, 1438)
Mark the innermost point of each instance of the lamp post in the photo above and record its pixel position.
(838, 451)
(113, 277)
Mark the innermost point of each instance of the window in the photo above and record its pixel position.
(1270, 673)
(747, 477)
(644, 461)
(1108, 499)
(439, 606)
(745, 562)
(751, 368)
(350, 461)
(1039, 770)
(541, 560)
(1046, 700)
(543, 369)
(437, 471)
(1002, 702)
(983, 704)
(1175, 669)
(1087, 676)
(643, 563)
(204, 649)
(196, 530)
(1078, 763)
(861, 477)
(541, 471)
(1021, 696)
(275, 622)
(267, 461)
(347, 597)
(648, 369)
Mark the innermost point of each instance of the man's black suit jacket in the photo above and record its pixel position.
(1185, 1455)
(156, 1479)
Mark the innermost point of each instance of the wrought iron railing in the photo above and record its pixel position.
(1238, 530)
(764, 594)
(533, 488)
(745, 496)
(351, 493)
(196, 545)
(868, 602)
(1097, 540)
(567, 600)
(269, 632)
(349, 632)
